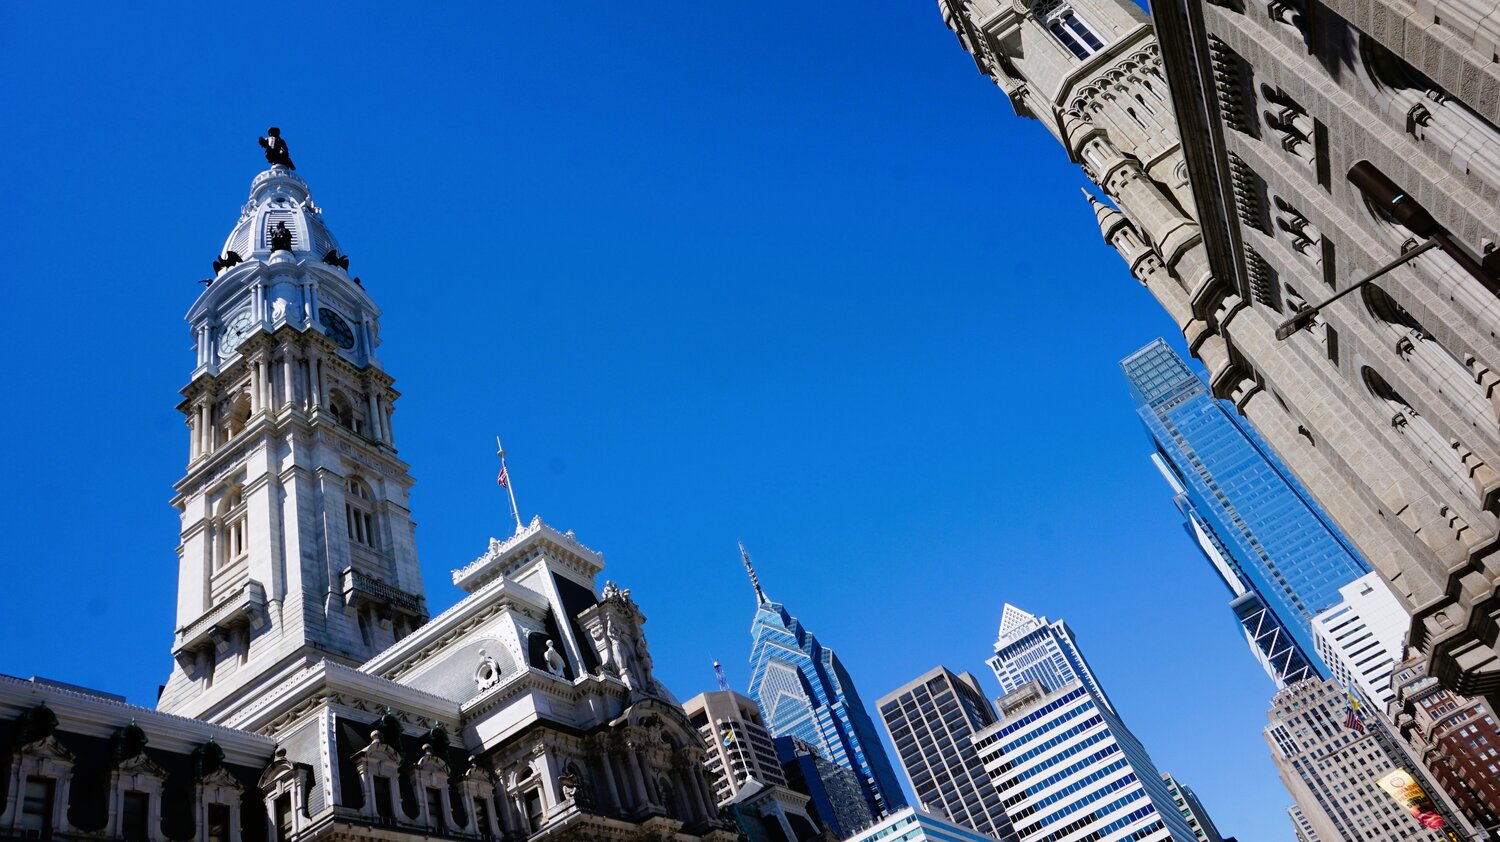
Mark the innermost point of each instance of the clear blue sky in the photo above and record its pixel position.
(792, 273)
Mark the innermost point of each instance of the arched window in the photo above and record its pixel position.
(359, 512)
(231, 539)
(343, 412)
(237, 415)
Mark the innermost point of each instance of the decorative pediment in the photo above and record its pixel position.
(221, 779)
(140, 764)
(47, 748)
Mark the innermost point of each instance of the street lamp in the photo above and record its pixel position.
(1404, 209)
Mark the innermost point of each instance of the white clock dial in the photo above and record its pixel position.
(235, 331)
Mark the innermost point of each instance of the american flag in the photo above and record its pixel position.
(504, 478)
(1353, 721)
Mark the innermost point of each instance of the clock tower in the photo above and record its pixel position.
(297, 538)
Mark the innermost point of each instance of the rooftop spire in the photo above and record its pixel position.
(760, 596)
(719, 674)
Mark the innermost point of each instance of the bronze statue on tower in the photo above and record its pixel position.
(276, 151)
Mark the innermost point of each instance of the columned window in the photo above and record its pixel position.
(135, 790)
(231, 539)
(1074, 34)
(359, 513)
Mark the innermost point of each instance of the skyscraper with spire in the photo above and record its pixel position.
(805, 693)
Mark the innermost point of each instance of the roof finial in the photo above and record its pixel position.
(760, 596)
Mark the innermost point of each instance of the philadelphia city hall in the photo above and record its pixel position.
(311, 696)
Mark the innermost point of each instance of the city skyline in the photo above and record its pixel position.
(451, 285)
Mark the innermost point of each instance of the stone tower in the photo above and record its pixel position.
(296, 534)
(1090, 72)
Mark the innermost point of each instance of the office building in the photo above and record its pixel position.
(912, 824)
(1029, 648)
(1192, 810)
(931, 721)
(838, 801)
(1361, 637)
(1453, 736)
(1282, 560)
(739, 747)
(805, 692)
(1065, 764)
(1333, 769)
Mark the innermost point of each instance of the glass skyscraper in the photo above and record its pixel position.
(805, 693)
(1281, 557)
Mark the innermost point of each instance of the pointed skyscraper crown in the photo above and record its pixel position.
(1014, 622)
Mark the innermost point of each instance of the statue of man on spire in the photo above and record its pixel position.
(276, 151)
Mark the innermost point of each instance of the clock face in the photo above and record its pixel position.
(235, 331)
(336, 328)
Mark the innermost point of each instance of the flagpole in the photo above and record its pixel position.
(509, 485)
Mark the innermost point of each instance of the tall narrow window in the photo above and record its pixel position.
(482, 816)
(533, 800)
(37, 805)
(283, 809)
(218, 823)
(383, 806)
(232, 535)
(358, 513)
(435, 808)
(135, 816)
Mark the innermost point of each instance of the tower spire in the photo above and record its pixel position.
(719, 674)
(760, 596)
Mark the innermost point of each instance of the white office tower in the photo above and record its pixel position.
(1360, 638)
(1302, 826)
(1066, 767)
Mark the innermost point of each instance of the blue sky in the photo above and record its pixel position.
(787, 273)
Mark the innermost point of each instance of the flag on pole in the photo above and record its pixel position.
(1352, 719)
(504, 478)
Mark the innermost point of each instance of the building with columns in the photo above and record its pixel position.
(1219, 144)
(312, 696)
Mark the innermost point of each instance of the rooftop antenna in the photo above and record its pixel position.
(719, 674)
(760, 596)
(504, 481)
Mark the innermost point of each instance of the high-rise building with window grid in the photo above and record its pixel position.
(931, 720)
(1281, 558)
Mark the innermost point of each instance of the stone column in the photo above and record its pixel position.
(607, 774)
(372, 426)
(289, 382)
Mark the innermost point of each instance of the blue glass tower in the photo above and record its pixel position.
(805, 693)
(1281, 557)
